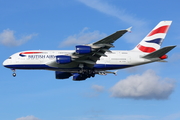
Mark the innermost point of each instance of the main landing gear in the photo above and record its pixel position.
(14, 73)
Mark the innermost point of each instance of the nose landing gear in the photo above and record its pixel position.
(14, 73)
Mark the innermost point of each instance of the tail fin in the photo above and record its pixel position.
(154, 39)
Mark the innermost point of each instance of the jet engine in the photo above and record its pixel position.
(62, 75)
(83, 76)
(63, 59)
(81, 49)
(79, 77)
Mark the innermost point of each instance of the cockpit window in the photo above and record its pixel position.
(9, 58)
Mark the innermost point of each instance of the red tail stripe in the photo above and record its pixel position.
(30, 52)
(146, 49)
(162, 29)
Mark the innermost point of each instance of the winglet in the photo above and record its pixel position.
(115, 72)
(129, 29)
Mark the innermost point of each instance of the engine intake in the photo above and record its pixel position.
(63, 59)
(81, 49)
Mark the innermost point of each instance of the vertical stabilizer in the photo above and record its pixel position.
(154, 39)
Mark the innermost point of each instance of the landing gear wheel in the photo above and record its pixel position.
(14, 74)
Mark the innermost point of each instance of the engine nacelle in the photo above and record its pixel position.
(81, 49)
(79, 77)
(63, 59)
(62, 75)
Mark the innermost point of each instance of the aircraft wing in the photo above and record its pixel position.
(98, 49)
(90, 53)
(112, 38)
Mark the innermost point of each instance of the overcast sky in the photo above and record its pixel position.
(148, 92)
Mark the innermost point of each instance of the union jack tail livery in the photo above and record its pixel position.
(154, 39)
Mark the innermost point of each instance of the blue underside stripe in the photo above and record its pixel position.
(97, 66)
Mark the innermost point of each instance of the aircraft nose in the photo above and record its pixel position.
(5, 63)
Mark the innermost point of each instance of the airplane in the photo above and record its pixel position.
(95, 58)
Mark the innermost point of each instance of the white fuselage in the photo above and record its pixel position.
(40, 59)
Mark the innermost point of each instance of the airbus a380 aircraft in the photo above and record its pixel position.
(96, 58)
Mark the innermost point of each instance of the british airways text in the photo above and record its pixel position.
(41, 56)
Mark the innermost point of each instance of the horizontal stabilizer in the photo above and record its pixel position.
(159, 52)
